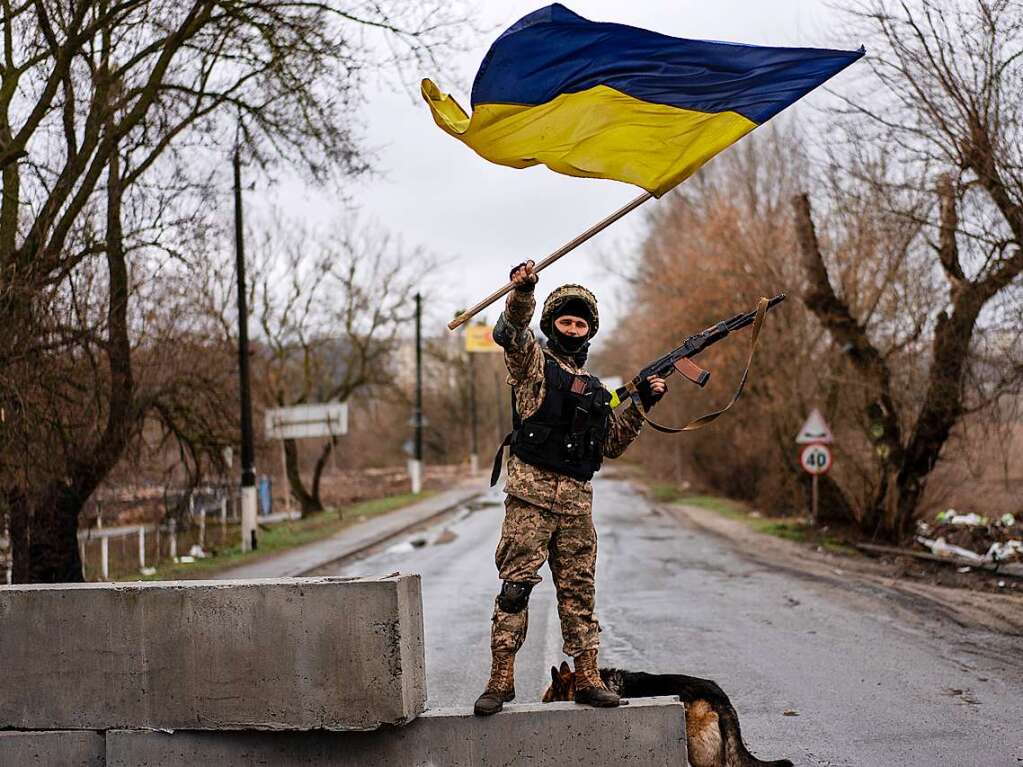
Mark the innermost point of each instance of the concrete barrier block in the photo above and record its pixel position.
(67, 748)
(275, 654)
(649, 732)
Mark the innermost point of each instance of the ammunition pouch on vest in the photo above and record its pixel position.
(566, 433)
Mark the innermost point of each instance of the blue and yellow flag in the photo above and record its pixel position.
(611, 101)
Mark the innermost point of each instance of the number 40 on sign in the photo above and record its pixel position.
(815, 459)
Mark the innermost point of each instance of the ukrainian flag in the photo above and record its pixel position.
(611, 101)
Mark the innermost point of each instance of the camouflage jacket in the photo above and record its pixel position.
(524, 356)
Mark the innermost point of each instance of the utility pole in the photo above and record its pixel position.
(248, 489)
(416, 464)
(474, 455)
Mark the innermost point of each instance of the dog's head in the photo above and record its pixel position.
(562, 686)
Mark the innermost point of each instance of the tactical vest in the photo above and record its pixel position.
(566, 433)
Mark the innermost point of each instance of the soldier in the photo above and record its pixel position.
(563, 427)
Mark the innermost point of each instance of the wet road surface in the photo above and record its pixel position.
(819, 673)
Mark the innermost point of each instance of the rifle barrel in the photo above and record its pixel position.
(742, 320)
(693, 345)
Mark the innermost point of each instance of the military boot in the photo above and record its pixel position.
(589, 688)
(501, 687)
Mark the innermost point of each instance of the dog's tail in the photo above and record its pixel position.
(736, 754)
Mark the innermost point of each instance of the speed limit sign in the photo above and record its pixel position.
(815, 459)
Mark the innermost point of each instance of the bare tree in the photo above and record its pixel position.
(330, 307)
(713, 247)
(935, 149)
(110, 111)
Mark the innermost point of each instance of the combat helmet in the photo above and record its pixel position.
(564, 295)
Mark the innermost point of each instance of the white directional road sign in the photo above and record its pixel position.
(301, 421)
(814, 430)
(815, 459)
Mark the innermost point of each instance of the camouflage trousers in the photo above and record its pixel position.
(530, 536)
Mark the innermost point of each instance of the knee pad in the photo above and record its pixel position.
(514, 596)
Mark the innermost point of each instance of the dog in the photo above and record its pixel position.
(713, 738)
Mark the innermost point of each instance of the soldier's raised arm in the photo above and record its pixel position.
(522, 352)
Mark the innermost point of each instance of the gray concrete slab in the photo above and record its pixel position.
(67, 748)
(304, 559)
(648, 733)
(274, 654)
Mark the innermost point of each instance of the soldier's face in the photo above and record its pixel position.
(572, 326)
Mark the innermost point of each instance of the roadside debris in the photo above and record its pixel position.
(939, 547)
(972, 539)
(446, 536)
(951, 517)
(406, 546)
(963, 565)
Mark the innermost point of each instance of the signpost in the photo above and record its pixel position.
(815, 458)
(815, 429)
(302, 422)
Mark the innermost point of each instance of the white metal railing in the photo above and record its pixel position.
(223, 512)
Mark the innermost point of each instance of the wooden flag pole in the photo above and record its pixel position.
(568, 247)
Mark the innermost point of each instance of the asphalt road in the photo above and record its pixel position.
(822, 674)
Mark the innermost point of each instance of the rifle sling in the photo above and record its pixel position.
(703, 420)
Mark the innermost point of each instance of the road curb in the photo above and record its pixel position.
(384, 538)
(307, 559)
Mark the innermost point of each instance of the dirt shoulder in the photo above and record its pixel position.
(908, 582)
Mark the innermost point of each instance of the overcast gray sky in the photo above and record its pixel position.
(481, 218)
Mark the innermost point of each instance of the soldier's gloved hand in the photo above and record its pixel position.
(651, 390)
(523, 276)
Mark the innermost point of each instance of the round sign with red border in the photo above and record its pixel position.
(815, 459)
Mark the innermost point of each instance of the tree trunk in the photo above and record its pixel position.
(306, 500)
(52, 510)
(834, 314)
(942, 408)
(18, 522)
(44, 536)
(321, 464)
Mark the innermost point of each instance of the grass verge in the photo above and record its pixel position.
(788, 528)
(283, 536)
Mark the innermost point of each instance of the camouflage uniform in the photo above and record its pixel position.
(548, 516)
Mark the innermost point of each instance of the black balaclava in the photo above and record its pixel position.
(575, 348)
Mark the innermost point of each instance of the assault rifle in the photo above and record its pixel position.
(680, 360)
